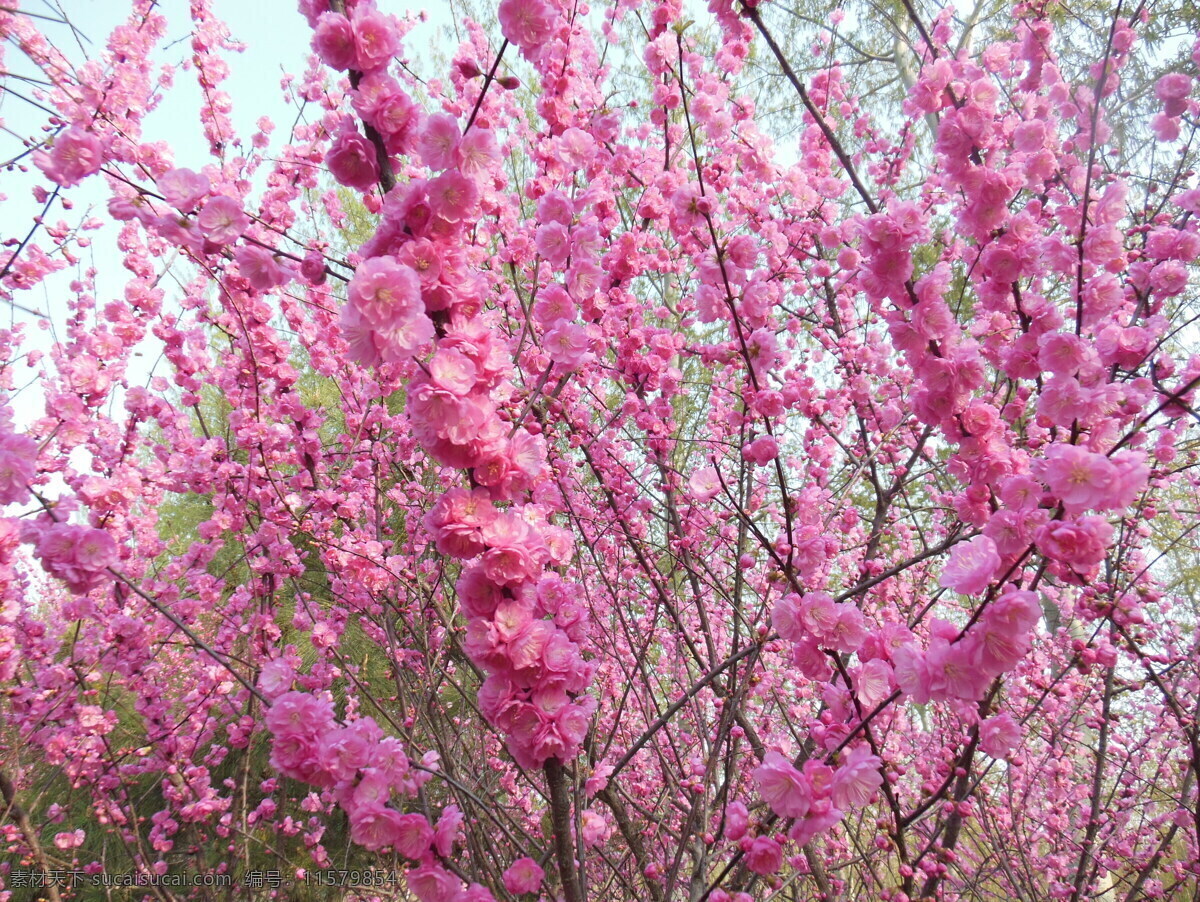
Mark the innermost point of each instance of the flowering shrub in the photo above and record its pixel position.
(658, 498)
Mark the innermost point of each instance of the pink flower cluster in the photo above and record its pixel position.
(528, 637)
(363, 767)
(962, 667)
(78, 555)
(815, 798)
(525, 627)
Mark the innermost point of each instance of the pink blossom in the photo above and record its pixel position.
(259, 267)
(596, 829)
(1081, 478)
(445, 832)
(704, 484)
(858, 778)
(352, 161)
(413, 835)
(222, 220)
(737, 820)
(452, 196)
(1079, 543)
(18, 464)
(276, 677)
(375, 827)
(376, 40)
(523, 876)
(430, 882)
(567, 345)
(971, 566)
(783, 787)
(762, 450)
(74, 155)
(438, 141)
(385, 292)
(999, 735)
(763, 855)
(333, 41)
(527, 23)
(72, 840)
(183, 188)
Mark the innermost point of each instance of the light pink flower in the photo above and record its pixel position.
(971, 567)
(999, 735)
(183, 188)
(783, 787)
(222, 220)
(858, 778)
(74, 155)
(527, 23)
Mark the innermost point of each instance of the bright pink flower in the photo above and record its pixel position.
(276, 677)
(385, 292)
(183, 188)
(873, 682)
(259, 267)
(477, 152)
(72, 840)
(352, 161)
(595, 829)
(430, 882)
(1003, 633)
(222, 220)
(971, 566)
(1080, 543)
(849, 631)
(999, 735)
(18, 464)
(413, 835)
(858, 778)
(74, 155)
(300, 714)
(376, 40)
(452, 196)
(785, 617)
(821, 816)
(554, 304)
(737, 820)
(783, 787)
(704, 484)
(375, 827)
(553, 243)
(445, 832)
(1082, 479)
(438, 141)
(527, 23)
(763, 855)
(762, 450)
(333, 41)
(567, 345)
(523, 876)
